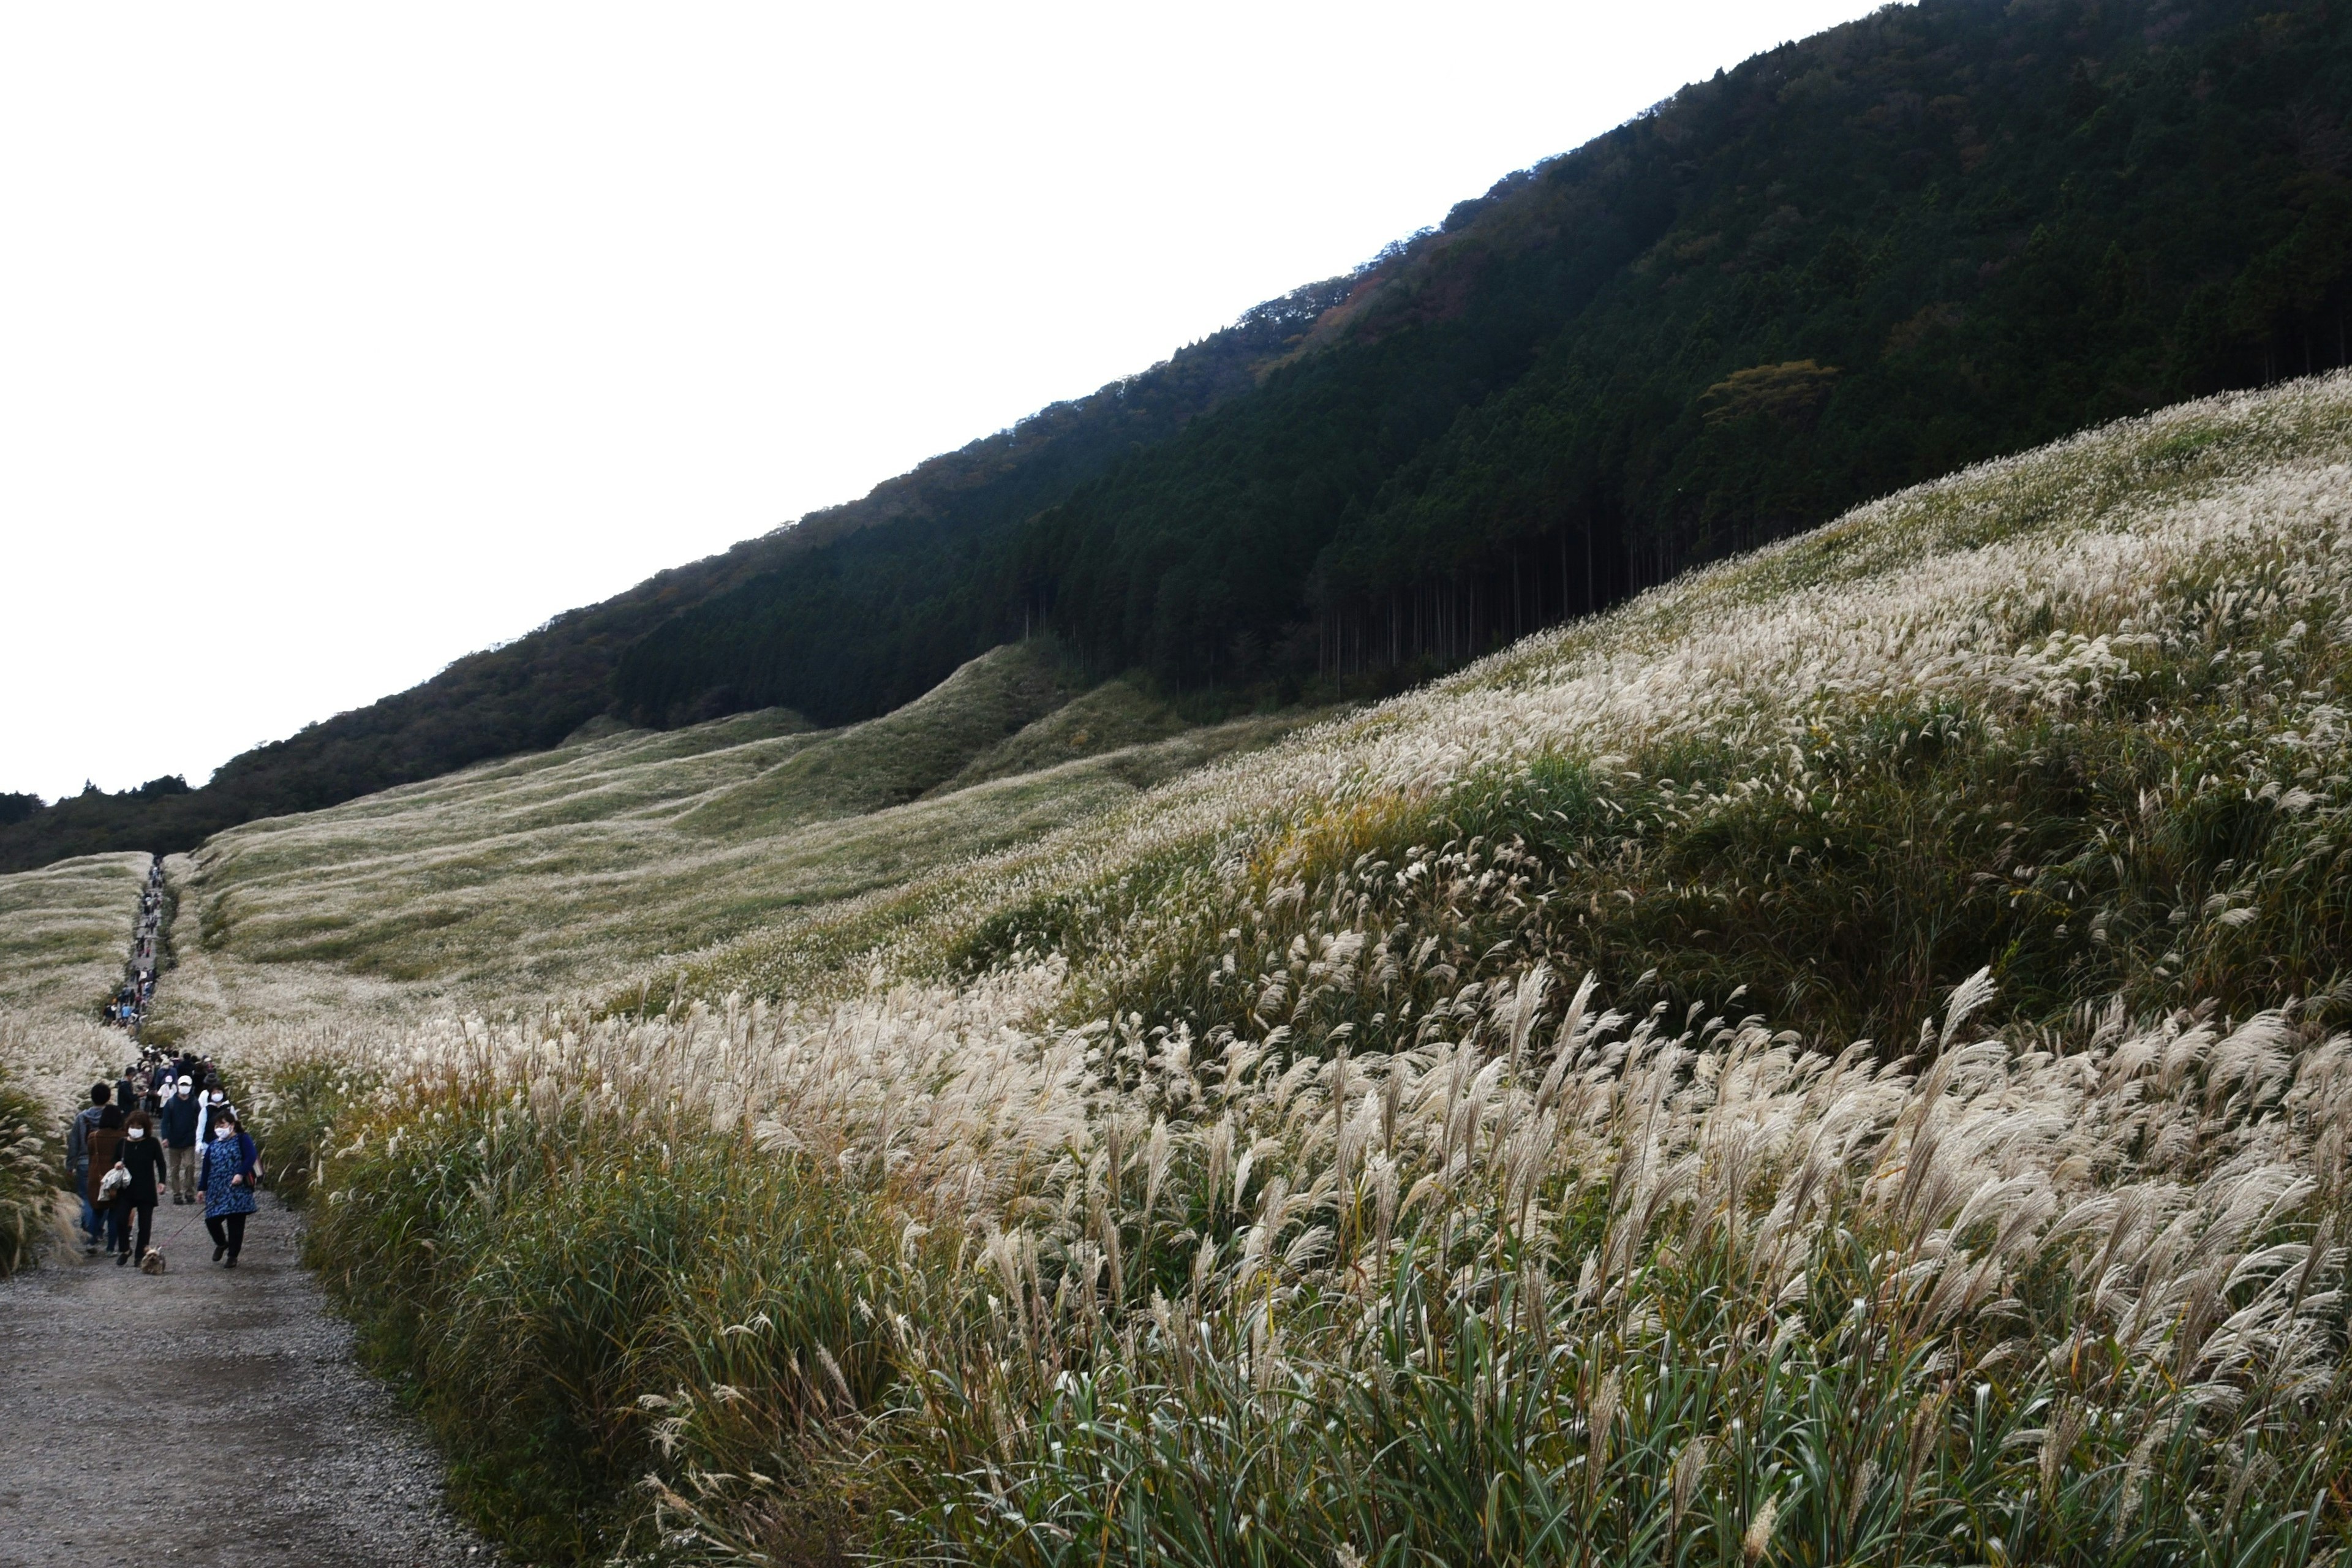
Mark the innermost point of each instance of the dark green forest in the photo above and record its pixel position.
(1938, 234)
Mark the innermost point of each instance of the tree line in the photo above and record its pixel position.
(1931, 235)
(1935, 234)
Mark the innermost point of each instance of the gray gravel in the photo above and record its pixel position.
(204, 1416)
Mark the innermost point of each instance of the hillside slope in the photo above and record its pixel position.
(604, 856)
(1939, 233)
(1936, 234)
(1842, 1058)
(65, 930)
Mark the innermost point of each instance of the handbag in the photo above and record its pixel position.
(113, 1182)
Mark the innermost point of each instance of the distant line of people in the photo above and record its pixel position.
(129, 1006)
(166, 1125)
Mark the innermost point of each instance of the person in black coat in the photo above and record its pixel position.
(141, 1154)
(179, 1120)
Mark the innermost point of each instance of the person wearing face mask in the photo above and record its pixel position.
(143, 1159)
(211, 1100)
(227, 1184)
(179, 1118)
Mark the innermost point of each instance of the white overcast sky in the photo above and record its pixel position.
(337, 341)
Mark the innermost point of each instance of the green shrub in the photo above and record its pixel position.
(292, 1119)
(563, 1287)
(31, 1176)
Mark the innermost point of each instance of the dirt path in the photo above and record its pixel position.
(204, 1416)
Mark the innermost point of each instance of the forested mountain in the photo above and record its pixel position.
(1939, 233)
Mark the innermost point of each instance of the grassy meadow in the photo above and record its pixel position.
(573, 870)
(1842, 1059)
(64, 932)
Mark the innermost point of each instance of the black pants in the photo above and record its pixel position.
(228, 1230)
(118, 1226)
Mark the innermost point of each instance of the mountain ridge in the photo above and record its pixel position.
(1931, 235)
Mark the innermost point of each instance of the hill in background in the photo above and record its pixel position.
(626, 853)
(1939, 233)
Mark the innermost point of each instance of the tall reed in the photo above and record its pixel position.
(1837, 1062)
(31, 1175)
(1548, 1282)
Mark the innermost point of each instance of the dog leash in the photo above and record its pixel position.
(184, 1226)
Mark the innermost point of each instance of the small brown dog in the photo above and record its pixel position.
(153, 1263)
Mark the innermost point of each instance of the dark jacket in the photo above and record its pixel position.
(177, 1121)
(144, 1158)
(103, 1143)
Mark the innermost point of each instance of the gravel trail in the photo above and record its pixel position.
(204, 1416)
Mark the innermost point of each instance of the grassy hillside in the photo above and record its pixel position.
(64, 933)
(1113, 716)
(591, 862)
(1942, 232)
(903, 755)
(1442, 1135)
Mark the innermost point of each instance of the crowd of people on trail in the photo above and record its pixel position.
(166, 1125)
(138, 988)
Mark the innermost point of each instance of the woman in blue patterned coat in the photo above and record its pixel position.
(227, 1180)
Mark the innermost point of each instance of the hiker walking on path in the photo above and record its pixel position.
(229, 1174)
(212, 1101)
(105, 1143)
(180, 1155)
(78, 1161)
(143, 1157)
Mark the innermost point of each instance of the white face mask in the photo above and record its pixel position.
(184, 1091)
(218, 1097)
(136, 1133)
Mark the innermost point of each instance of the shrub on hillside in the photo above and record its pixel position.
(30, 1176)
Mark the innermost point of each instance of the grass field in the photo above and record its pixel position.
(64, 933)
(586, 867)
(1839, 1060)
